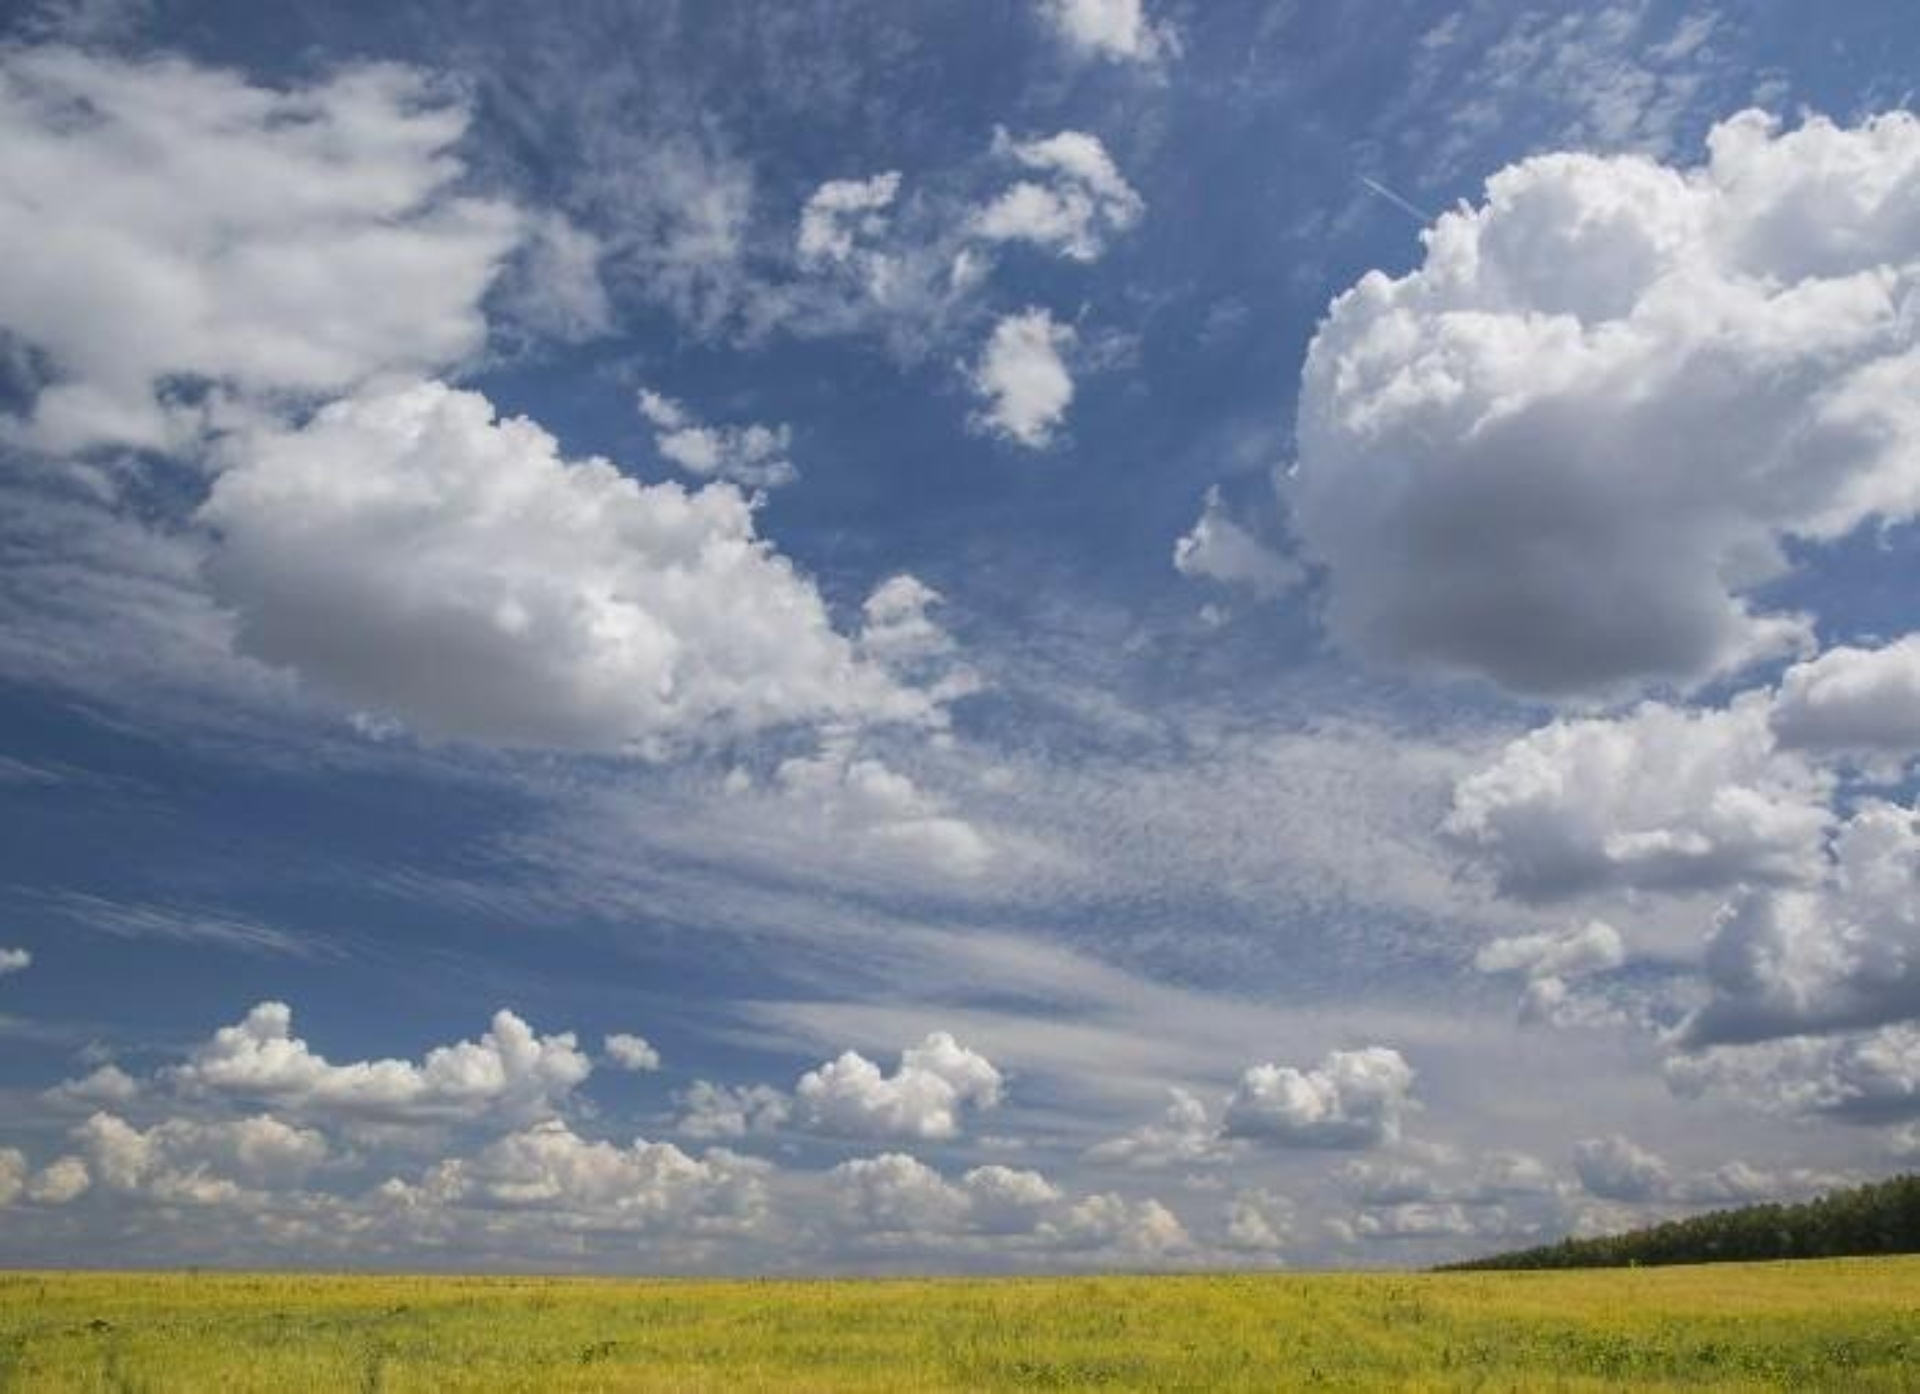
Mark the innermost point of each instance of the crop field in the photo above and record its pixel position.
(1850, 1324)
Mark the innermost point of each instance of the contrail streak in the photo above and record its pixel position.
(1391, 197)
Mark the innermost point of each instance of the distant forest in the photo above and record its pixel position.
(1881, 1218)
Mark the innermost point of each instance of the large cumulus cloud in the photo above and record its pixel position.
(1843, 952)
(168, 227)
(1564, 451)
(408, 552)
(1659, 798)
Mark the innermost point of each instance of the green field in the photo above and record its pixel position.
(1841, 1324)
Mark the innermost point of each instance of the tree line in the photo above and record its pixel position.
(1880, 1218)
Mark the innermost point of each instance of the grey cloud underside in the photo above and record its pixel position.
(1562, 452)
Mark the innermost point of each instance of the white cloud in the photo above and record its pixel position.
(1258, 1221)
(1548, 961)
(877, 812)
(1354, 1098)
(1415, 1220)
(1590, 948)
(62, 1180)
(753, 455)
(648, 1187)
(1739, 1183)
(840, 216)
(1118, 30)
(509, 1073)
(899, 633)
(1184, 1136)
(1866, 1077)
(264, 242)
(1662, 798)
(183, 1160)
(1614, 1168)
(711, 1110)
(554, 287)
(631, 1052)
(14, 961)
(898, 628)
(1219, 549)
(1083, 205)
(1137, 1230)
(106, 1084)
(896, 1193)
(1007, 1200)
(1837, 954)
(1864, 701)
(923, 1098)
(1499, 1178)
(1565, 450)
(407, 551)
(1022, 374)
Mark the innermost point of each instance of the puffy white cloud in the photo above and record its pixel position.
(407, 551)
(62, 1180)
(1184, 1136)
(14, 961)
(264, 242)
(1548, 961)
(1662, 798)
(898, 626)
(646, 1186)
(1842, 953)
(1118, 30)
(1614, 1168)
(1353, 1098)
(1022, 374)
(1137, 1230)
(1083, 204)
(202, 1163)
(896, 1194)
(841, 215)
(631, 1052)
(899, 633)
(1867, 1077)
(1864, 701)
(106, 1084)
(716, 1110)
(878, 812)
(1007, 1200)
(1258, 1221)
(509, 1073)
(922, 1098)
(1564, 450)
(1593, 947)
(753, 455)
(1217, 548)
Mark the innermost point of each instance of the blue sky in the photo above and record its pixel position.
(1049, 634)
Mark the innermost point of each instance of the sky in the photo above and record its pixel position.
(968, 635)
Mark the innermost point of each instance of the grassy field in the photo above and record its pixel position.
(1849, 1324)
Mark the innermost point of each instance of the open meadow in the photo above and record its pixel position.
(1849, 1324)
